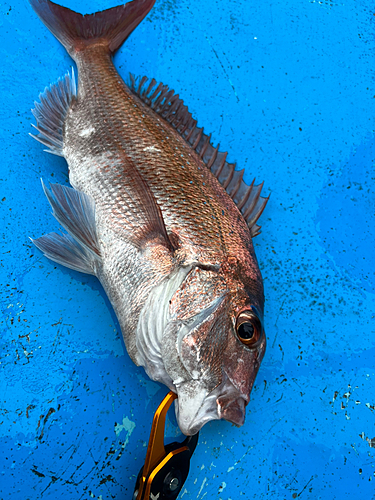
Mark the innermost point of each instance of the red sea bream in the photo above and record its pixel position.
(158, 215)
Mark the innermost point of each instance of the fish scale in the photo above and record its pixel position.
(152, 213)
(157, 169)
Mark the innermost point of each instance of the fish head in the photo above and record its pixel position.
(212, 348)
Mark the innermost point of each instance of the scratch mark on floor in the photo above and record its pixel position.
(251, 446)
(306, 485)
(223, 68)
(202, 486)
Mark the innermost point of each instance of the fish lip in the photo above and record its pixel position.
(192, 430)
(224, 402)
(233, 411)
(206, 412)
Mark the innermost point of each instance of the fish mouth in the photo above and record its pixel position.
(195, 407)
(233, 411)
(194, 411)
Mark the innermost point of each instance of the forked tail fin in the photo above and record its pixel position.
(76, 31)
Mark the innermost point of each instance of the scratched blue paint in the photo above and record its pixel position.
(287, 88)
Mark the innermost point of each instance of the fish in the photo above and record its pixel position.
(158, 215)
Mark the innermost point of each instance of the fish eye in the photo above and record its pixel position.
(248, 328)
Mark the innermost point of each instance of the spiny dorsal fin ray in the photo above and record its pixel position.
(50, 113)
(169, 105)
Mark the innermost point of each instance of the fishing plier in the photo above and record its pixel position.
(166, 466)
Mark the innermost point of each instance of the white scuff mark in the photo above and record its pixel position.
(222, 486)
(184, 493)
(202, 467)
(128, 426)
(86, 132)
(151, 148)
(202, 486)
(371, 441)
(250, 448)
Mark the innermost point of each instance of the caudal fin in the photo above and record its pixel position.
(76, 31)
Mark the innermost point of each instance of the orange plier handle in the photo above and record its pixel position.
(166, 467)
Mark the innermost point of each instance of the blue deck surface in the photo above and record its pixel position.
(287, 87)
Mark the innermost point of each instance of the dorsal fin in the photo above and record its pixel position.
(169, 106)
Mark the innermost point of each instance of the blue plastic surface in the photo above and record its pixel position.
(287, 87)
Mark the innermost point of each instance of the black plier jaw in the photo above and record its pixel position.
(166, 466)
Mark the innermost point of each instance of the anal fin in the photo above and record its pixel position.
(51, 111)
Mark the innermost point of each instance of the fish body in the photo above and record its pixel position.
(150, 215)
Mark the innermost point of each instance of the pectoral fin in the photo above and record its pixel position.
(137, 214)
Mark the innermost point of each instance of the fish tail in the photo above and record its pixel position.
(76, 31)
